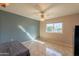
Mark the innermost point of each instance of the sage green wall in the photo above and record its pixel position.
(10, 31)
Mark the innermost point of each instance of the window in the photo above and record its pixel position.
(49, 27)
(54, 27)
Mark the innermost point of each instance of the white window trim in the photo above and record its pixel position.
(53, 29)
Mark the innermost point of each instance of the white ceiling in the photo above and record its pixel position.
(51, 10)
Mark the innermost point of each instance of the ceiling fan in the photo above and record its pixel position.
(42, 11)
(42, 16)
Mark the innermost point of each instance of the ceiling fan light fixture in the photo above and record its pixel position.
(42, 19)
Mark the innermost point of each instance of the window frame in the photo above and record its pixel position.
(53, 28)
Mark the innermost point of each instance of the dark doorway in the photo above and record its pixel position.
(76, 41)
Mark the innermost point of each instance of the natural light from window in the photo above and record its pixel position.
(54, 27)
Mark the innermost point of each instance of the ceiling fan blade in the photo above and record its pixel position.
(45, 10)
(51, 6)
(41, 7)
